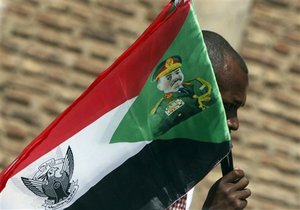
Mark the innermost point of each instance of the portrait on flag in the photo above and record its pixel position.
(181, 99)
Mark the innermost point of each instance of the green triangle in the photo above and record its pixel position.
(146, 119)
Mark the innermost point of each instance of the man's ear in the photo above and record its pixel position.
(159, 85)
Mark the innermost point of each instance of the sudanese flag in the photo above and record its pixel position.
(125, 143)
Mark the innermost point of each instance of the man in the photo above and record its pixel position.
(230, 192)
(181, 100)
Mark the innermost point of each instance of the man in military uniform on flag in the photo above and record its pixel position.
(181, 99)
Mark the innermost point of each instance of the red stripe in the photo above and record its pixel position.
(122, 81)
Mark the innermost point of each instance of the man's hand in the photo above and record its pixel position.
(229, 192)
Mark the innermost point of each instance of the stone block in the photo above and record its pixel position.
(259, 57)
(282, 48)
(30, 85)
(295, 68)
(284, 198)
(23, 10)
(99, 35)
(81, 11)
(54, 23)
(273, 78)
(17, 96)
(88, 66)
(114, 7)
(15, 132)
(22, 115)
(279, 3)
(52, 109)
(44, 54)
(294, 36)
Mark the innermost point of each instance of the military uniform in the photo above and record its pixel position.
(175, 107)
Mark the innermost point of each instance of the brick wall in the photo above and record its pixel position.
(271, 47)
(267, 143)
(50, 51)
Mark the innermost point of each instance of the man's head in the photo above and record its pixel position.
(168, 75)
(231, 73)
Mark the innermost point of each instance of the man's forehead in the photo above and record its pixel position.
(232, 80)
(232, 72)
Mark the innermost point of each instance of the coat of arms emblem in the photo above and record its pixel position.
(53, 181)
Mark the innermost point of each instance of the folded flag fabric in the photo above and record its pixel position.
(143, 133)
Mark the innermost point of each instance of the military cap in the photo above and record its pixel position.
(170, 64)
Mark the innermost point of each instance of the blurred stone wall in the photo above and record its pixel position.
(50, 51)
(226, 17)
(267, 145)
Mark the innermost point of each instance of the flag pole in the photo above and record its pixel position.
(227, 164)
(176, 2)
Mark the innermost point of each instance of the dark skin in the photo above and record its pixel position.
(230, 192)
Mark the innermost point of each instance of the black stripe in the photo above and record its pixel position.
(155, 177)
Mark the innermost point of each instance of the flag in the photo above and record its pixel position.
(143, 133)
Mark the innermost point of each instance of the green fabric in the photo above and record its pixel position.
(145, 118)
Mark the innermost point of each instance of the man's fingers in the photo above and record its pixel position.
(242, 204)
(241, 184)
(239, 199)
(244, 194)
(233, 176)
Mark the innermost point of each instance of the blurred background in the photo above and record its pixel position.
(50, 51)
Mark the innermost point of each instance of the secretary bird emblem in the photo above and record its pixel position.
(53, 181)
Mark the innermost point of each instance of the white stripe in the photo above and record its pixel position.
(94, 158)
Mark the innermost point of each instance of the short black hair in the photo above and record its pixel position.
(217, 48)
